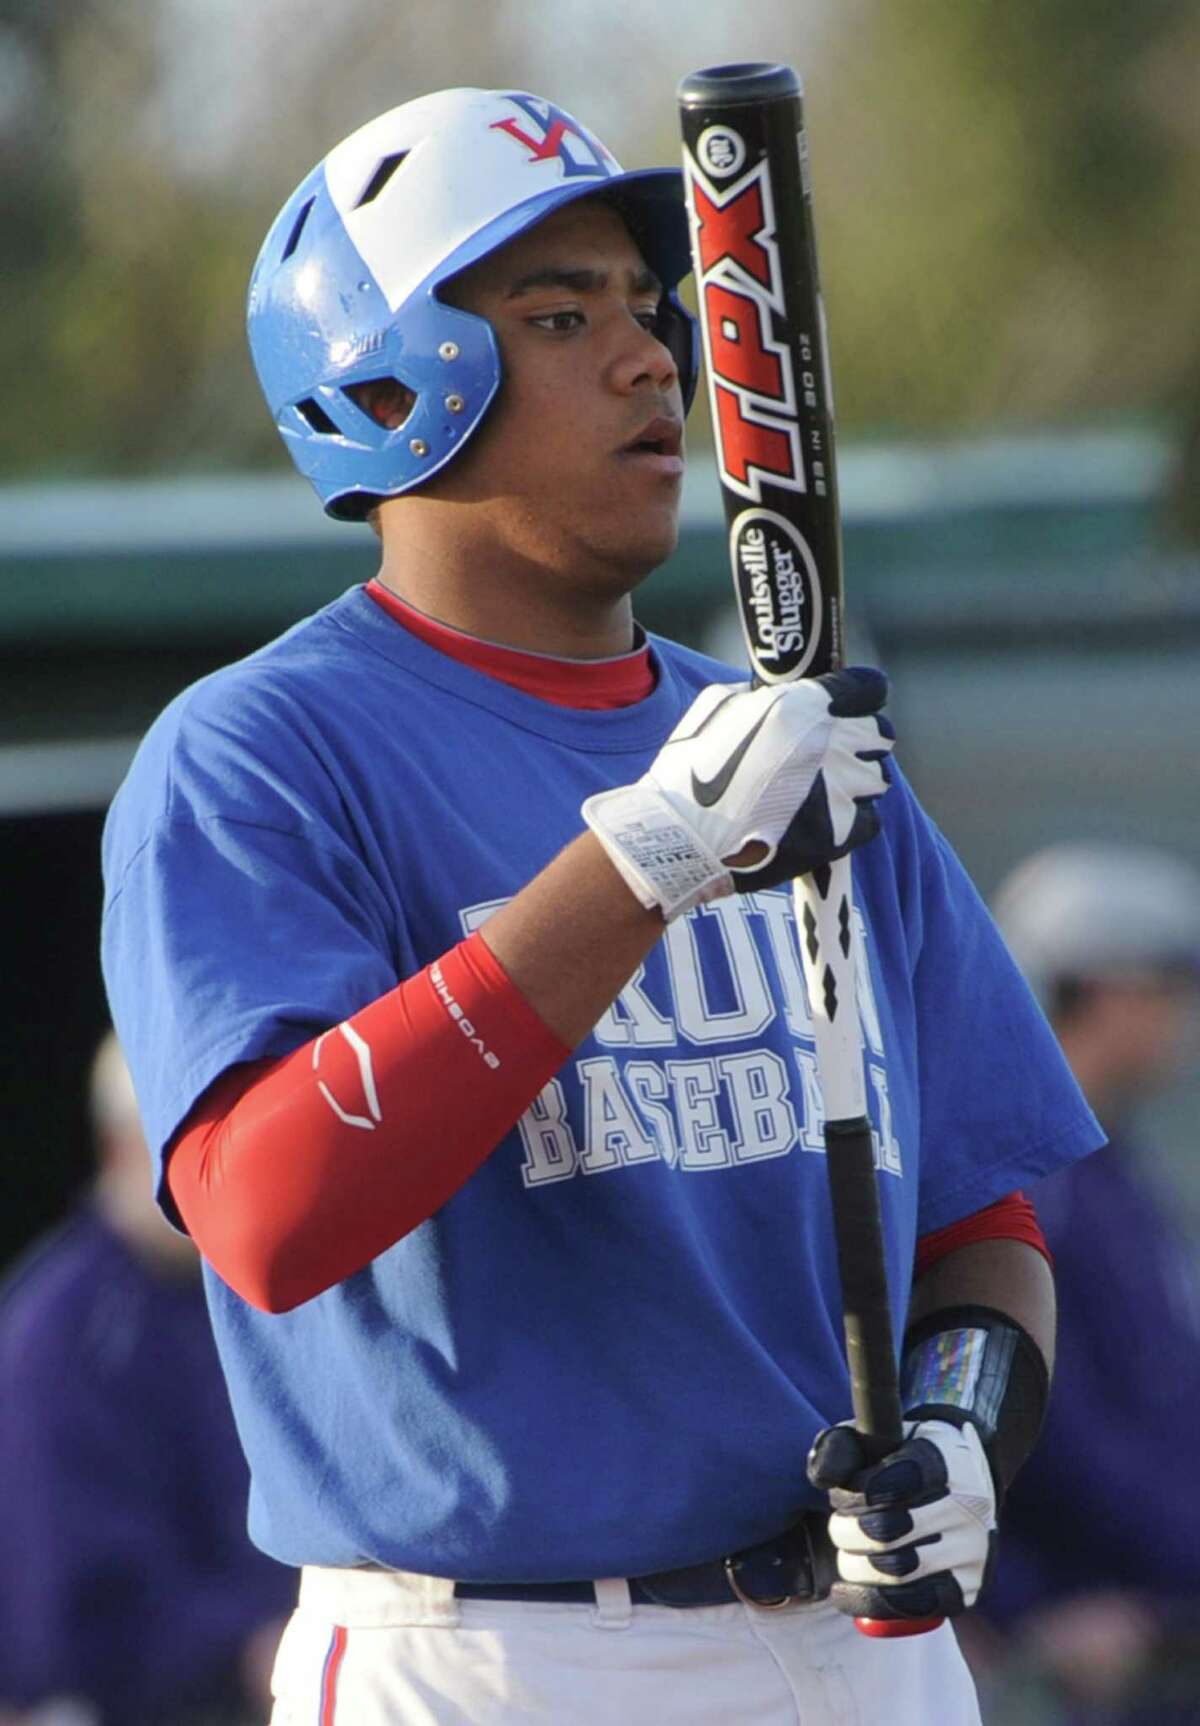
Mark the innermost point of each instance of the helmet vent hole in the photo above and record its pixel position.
(317, 418)
(297, 229)
(380, 177)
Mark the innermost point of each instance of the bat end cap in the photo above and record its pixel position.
(750, 81)
(888, 1628)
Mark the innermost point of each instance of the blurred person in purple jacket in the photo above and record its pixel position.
(1098, 1575)
(130, 1594)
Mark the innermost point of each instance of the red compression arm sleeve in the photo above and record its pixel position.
(293, 1174)
(1009, 1219)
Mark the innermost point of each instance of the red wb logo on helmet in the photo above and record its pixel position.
(556, 134)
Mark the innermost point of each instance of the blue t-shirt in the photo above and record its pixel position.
(609, 1351)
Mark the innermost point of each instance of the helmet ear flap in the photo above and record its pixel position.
(678, 331)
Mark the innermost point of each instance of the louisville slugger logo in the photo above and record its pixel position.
(779, 593)
(751, 376)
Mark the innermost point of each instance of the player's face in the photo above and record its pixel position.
(579, 464)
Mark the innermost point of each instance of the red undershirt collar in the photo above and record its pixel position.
(583, 683)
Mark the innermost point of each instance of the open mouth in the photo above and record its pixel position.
(662, 437)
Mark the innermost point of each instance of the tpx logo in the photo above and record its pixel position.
(551, 134)
(750, 374)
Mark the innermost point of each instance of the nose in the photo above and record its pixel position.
(642, 358)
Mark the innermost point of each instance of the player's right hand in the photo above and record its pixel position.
(915, 1532)
(753, 787)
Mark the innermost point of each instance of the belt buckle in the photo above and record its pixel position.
(749, 1599)
(776, 1605)
(795, 1549)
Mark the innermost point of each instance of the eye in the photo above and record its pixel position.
(559, 323)
(648, 317)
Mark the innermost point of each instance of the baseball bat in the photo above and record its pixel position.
(762, 321)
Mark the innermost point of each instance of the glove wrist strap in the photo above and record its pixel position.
(658, 856)
(975, 1364)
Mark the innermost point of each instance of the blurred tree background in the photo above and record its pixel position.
(1006, 197)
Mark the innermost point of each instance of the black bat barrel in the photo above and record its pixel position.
(749, 202)
(746, 166)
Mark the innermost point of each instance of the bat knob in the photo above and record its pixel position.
(886, 1628)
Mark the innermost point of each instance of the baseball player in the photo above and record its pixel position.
(450, 940)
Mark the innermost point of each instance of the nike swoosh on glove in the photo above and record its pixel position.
(915, 1533)
(794, 769)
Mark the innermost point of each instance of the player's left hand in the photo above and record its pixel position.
(915, 1531)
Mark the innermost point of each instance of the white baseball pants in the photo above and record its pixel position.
(377, 1648)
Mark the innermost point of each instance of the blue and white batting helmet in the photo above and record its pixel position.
(346, 289)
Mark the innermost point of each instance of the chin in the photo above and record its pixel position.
(641, 553)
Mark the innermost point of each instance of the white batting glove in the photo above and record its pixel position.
(915, 1532)
(794, 768)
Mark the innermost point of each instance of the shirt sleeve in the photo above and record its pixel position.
(1012, 1218)
(999, 1105)
(240, 919)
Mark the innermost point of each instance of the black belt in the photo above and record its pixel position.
(794, 1567)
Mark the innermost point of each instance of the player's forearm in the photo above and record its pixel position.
(293, 1175)
(978, 1354)
(288, 1189)
(753, 787)
(1007, 1275)
(572, 939)
(974, 1380)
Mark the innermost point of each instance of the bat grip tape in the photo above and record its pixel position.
(858, 1231)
